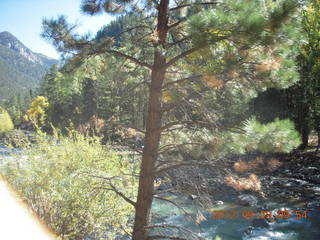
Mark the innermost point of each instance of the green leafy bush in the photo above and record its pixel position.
(5, 121)
(69, 184)
(277, 136)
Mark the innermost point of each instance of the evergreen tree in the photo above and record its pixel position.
(165, 34)
(89, 94)
(308, 88)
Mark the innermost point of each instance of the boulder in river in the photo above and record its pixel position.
(247, 200)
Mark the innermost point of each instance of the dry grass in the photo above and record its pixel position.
(239, 184)
(271, 64)
(258, 164)
(243, 166)
(273, 164)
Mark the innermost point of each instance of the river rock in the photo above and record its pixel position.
(164, 187)
(313, 204)
(315, 179)
(219, 202)
(247, 200)
(248, 231)
(193, 197)
(260, 223)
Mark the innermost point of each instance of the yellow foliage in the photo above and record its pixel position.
(5, 121)
(219, 33)
(37, 112)
(167, 97)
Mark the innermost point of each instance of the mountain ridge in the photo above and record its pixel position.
(21, 69)
(11, 42)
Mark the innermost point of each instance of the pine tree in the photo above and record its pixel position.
(165, 34)
(308, 61)
(89, 95)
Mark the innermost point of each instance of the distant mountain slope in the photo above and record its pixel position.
(20, 68)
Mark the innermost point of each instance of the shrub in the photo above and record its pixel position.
(37, 112)
(69, 185)
(5, 121)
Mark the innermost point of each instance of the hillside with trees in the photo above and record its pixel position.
(21, 69)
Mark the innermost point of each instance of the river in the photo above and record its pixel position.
(237, 222)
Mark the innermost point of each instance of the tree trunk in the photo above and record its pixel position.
(149, 157)
(153, 130)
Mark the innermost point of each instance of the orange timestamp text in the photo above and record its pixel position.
(264, 214)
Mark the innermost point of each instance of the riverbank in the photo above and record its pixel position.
(292, 177)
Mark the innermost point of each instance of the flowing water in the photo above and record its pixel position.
(237, 226)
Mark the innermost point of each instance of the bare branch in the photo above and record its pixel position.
(182, 80)
(163, 170)
(130, 29)
(113, 188)
(199, 123)
(171, 226)
(168, 147)
(165, 237)
(184, 54)
(131, 58)
(179, 41)
(175, 24)
(120, 194)
(176, 205)
(192, 4)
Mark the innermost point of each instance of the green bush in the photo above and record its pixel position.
(277, 136)
(5, 121)
(67, 185)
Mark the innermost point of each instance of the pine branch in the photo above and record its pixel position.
(60, 33)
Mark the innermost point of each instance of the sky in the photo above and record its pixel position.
(23, 18)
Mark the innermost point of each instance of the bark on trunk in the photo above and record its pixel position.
(153, 132)
(149, 157)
